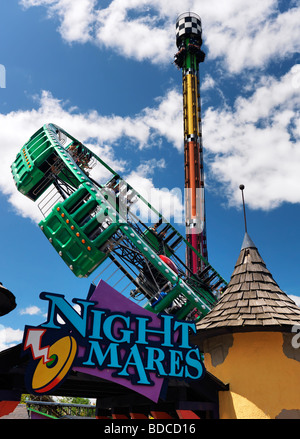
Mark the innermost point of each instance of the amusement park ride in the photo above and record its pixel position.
(90, 223)
(189, 41)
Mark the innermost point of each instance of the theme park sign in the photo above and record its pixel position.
(112, 338)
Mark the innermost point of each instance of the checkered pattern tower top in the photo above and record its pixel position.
(188, 23)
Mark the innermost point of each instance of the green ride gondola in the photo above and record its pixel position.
(88, 223)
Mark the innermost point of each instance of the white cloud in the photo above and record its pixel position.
(76, 17)
(257, 143)
(31, 311)
(208, 83)
(250, 34)
(296, 299)
(9, 337)
(245, 34)
(166, 119)
(140, 37)
(100, 133)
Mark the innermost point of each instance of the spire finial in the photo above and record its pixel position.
(242, 187)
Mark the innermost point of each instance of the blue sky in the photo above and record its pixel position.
(103, 71)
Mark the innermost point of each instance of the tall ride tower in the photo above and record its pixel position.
(188, 57)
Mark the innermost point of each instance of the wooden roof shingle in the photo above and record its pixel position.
(252, 300)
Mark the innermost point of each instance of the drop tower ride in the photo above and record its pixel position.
(188, 57)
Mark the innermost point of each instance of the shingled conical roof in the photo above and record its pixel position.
(252, 300)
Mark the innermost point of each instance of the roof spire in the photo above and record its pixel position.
(242, 187)
(247, 243)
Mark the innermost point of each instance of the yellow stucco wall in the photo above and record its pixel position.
(263, 381)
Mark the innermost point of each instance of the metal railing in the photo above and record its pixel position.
(61, 409)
